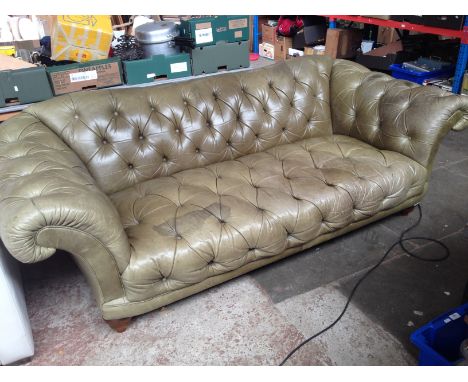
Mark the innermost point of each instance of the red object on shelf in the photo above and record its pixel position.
(463, 34)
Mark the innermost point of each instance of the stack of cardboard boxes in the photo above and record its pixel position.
(273, 46)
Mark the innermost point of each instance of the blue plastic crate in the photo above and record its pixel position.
(439, 340)
(412, 75)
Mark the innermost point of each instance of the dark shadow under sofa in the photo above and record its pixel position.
(161, 192)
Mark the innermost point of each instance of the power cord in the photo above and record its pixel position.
(402, 239)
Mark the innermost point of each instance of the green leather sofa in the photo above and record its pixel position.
(161, 192)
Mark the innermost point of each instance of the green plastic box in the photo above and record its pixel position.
(212, 30)
(24, 86)
(222, 56)
(159, 66)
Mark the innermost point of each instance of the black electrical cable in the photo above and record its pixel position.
(402, 239)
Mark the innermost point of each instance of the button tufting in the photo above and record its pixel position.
(130, 166)
(76, 116)
(229, 143)
(164, 159)
(197, 150)
(222, 221)
(256, 135)
(177, 131)
(116, 113)
(185, 103)
(141, 137)
(104, 141)
(251, 249)
(178, 237)
(291, 104)
(284, 129)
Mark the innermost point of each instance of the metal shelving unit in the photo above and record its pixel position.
(462, 61)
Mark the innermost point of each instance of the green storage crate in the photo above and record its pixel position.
(24, 86)
(212, 58)
(212, 30)
(95, 74)
(156, 67)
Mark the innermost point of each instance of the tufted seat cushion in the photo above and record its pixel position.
(203, 222)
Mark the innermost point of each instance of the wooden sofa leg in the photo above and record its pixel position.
(407, 211)
(119, 325)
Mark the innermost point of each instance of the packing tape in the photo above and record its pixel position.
(98, 39)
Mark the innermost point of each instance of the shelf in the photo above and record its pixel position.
(462, 61)
(461, 34)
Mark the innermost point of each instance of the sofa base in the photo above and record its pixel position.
(122, 308)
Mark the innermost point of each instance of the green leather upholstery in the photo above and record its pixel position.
(161, 192)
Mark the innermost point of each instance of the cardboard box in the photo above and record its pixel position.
(387, 35)
(91, 75)
(318, 50)
(267, 50)
(268, 34)
(157, 67)
(282, 45)
(342, 43)
(81, 38)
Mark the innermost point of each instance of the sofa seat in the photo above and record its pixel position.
(207, 221)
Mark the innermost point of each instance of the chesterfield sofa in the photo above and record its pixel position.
(164, 191)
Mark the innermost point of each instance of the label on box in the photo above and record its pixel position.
(454, 316)
(151, 75)
(203, 26)
(238, 34)
(83, 76)
(179, 67)
(102, 75)
(203, 36)
(239, 23)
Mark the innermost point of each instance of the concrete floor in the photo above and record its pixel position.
(258, 318)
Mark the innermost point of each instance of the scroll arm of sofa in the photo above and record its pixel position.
(49, 201)
(458, 110)
(415, 120)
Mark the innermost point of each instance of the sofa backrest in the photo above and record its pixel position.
(126, 136)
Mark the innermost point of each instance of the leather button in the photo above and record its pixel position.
(284, 129)
(116, 113)
(104, 142)
(141, 137)
(291, 104)
(130, 166)
(178, 237)
(177, 131)
(256, 135)
(185, 103)
(76, 116)
(270, 84)
(164, 159)
(208, 123)
(197, 150)
(229, 143)
(222, 221)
